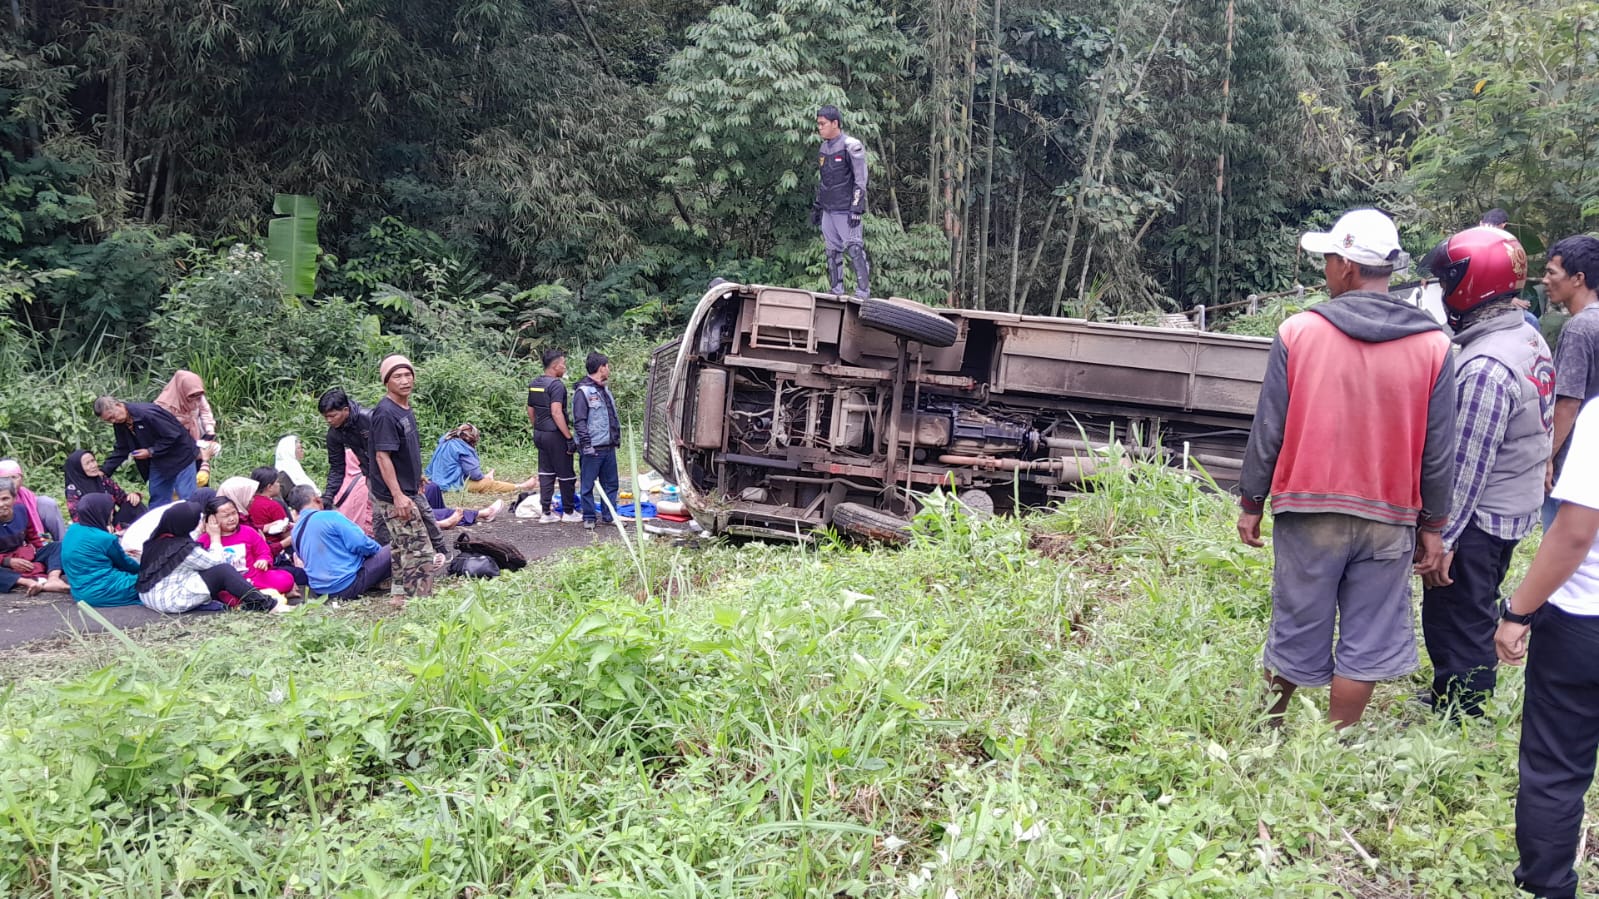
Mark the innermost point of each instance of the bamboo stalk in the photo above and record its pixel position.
(980, 293)
(1038, 253)
(1016, 242)
(1221, 158)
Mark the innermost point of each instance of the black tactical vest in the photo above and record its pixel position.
(538, 397)
(837, 193)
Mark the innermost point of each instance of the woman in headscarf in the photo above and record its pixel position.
(287, 462)
(184, 397)
(143, 528)
(101, 574)
(43, 511)
(178, 575)
(354, 499)
(455, 463)
(84, 478)
(265, 512)
(243, 546)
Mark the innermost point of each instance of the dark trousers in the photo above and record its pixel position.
(435, 497)
(374, 569)
(48, 558)
(555, 467)
(1559, 737)
(223, 578)
(599, 467)
(1458, 622)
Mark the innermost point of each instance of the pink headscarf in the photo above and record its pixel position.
(11, 468)
(182, 397)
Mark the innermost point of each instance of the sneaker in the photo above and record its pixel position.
(572, 518)
(552, 518)
(588, 525)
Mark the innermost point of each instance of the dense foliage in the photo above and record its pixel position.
(495, 178)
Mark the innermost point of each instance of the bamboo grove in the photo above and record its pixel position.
(1062, 158)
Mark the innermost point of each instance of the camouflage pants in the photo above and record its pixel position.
(411, 549)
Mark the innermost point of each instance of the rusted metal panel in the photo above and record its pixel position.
(1143, 366)
(710, 408)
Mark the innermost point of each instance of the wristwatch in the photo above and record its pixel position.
(1515, 618)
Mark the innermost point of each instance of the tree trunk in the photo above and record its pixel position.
(600, 54)
(117, 132)
(1038, 253)
(155, 181)
(1221, 159)
(172, 189)
(980, 293)
(963, 238)
(1016, 241)
(889, 171)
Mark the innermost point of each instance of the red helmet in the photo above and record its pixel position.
(1477, 265)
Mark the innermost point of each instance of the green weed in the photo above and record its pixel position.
(1064, 705)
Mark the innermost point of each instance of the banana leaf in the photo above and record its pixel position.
(291, 241)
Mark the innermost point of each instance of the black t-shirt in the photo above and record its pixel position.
(541, 392)
(394, 432)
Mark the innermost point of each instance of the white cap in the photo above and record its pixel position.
(1365, 236)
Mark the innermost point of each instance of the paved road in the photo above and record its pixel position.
(26, 619)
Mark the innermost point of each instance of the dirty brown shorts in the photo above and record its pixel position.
(1345, 574)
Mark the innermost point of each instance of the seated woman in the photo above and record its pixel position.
(177, 575)
(184, 397)
(455, 462)
(84, 478)
(244, 547)
(26, 561)
(287, 461)
(92, 559)
(258, 511)
(143, 527)
(448, 517)
(44, 510)
(354, 499)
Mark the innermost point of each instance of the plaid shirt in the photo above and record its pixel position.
(1485, 397)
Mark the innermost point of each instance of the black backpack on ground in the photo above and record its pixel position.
(507, 556)
(474, 565)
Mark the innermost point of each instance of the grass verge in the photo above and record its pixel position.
(1063, 705)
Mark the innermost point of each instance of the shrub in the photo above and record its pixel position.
(464, 385)
(231, 323)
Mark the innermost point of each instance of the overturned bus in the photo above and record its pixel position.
(780, 412)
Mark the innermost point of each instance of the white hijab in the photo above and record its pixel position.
(286, 463)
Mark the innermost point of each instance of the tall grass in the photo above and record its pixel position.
(1067, 705)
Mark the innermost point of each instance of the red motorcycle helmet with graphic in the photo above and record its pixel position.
(1477, 265)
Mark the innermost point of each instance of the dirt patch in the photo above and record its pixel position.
(1052, 546)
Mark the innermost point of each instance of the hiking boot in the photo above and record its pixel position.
(551, 518)
(572, 518)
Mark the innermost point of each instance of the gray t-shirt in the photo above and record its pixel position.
(1577, 356)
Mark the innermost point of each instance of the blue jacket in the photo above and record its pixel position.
(332, 547)
(101, 574)
(454, 463)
